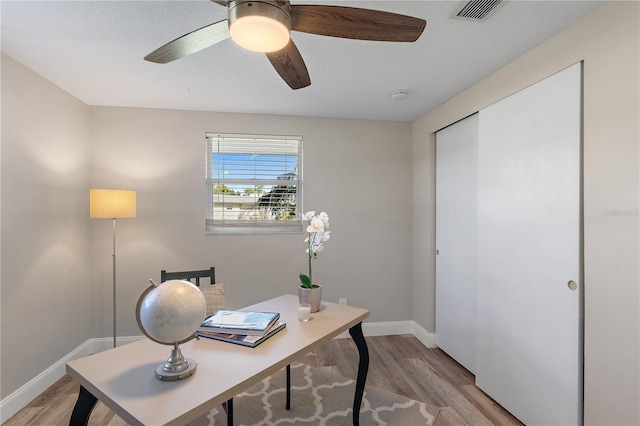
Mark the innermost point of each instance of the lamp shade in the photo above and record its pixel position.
(112, 204)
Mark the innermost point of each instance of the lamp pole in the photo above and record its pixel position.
(112, 204)
(114, 282)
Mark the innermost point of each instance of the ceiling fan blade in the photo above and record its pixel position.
(355, 23)
(190, 43)
(289, 64)
(221, 2)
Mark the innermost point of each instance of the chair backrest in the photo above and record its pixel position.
(213, 294)
(192, 276)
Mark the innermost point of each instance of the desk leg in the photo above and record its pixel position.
(288, 401)
(82, 410)
(363, 369)
(229, 410)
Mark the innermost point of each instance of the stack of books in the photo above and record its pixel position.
(245, 328)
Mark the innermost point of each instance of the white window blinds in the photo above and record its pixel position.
(253, 183)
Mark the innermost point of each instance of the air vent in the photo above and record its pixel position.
(476, 10)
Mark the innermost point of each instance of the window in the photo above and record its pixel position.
(253, 183)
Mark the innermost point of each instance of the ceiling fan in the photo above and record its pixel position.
(264, 26)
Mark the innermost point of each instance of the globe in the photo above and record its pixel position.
(170, 314)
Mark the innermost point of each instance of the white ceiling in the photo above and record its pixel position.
(94, 50)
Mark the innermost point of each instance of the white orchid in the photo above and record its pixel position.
(316, 225)
(324, 218)
(318, 235)
(317, 241)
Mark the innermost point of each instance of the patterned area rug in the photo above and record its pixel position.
(319, 398)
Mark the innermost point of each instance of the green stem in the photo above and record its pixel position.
(310, 254)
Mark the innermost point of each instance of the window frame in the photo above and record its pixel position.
(250, 226)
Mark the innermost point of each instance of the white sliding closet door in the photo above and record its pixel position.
(529, 354)
(456, 229)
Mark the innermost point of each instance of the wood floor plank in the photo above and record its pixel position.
(26, 416)
(452, 396)
(491, 409)
(102, 415)
(448, 417)
(398, 364)
(448, 368)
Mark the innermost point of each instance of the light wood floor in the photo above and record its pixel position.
(400, 364)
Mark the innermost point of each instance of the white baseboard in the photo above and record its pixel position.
(104, 343)
(34, 387)
(426, 338)
(30, 390)
(391, 328)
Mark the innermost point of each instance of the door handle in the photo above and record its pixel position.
(572, 285)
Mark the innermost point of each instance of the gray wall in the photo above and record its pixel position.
(45, 238)
(608, 41)
(55, 148)
(359, 172)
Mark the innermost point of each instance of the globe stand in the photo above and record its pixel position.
(177, 366)
(170, 314)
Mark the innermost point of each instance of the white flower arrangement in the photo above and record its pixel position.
(318, 235)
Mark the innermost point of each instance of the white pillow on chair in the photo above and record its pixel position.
(214, 295)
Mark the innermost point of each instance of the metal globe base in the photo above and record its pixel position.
(177, 367)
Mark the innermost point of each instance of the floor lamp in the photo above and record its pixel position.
(112, 204)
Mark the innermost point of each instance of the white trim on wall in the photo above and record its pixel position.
(34, 387)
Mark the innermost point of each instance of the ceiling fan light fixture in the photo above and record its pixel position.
(259, 34)
(259, 26)
(264, 26)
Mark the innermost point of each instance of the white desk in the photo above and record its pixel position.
(123, 378)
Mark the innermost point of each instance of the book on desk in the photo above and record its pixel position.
(249, 323)
(243, 339)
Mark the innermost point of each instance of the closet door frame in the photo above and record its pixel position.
(456, 239)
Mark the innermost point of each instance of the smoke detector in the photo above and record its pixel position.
(399, 95)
